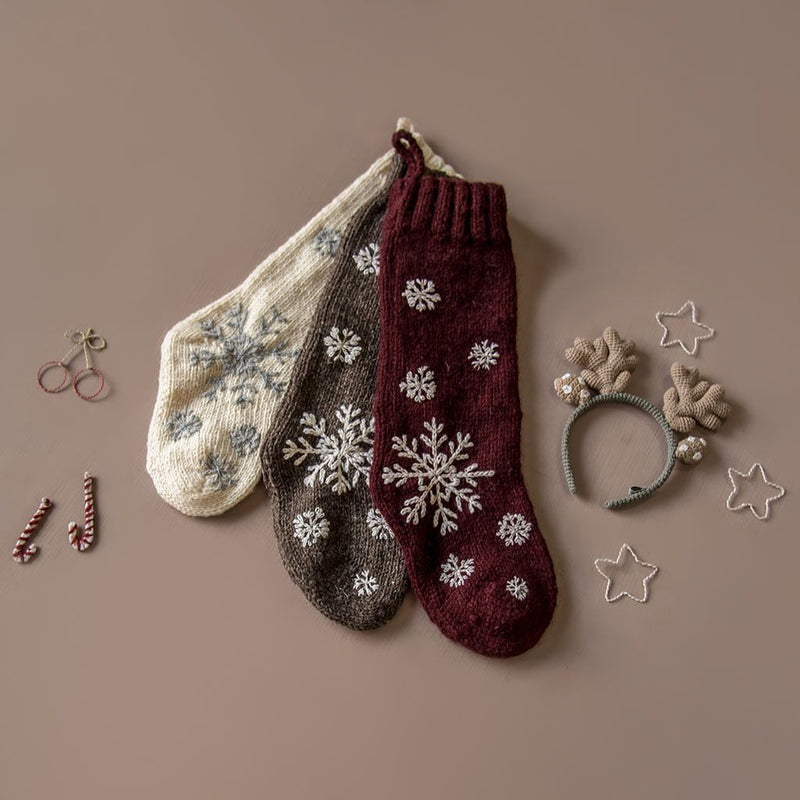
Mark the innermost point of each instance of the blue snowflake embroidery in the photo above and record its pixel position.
(245, 440)
(327, 242)
(182, 425)
(218, 472)
(238, 358)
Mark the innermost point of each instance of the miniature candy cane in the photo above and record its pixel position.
(83, 540)
(23, 552)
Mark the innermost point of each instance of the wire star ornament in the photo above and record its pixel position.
(749, 476)
(625, 552)
(668, 341)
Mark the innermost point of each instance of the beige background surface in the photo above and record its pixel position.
(152, 153)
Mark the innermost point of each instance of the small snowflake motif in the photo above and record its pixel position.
(378, 526)
(311, 526)
(421, 294)
(218, 472)
(364, 584)
(420, 385)
(437, 477)
(182, 425)
(455, 572)
(342, 457)
(344, 345)
(327, 242)
(517, 587)
(245, 440)
(484, 354)
(368, 259)
(514, 529)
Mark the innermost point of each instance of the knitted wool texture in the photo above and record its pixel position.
(225, 368)
(316, 458)
(446, 468)
(638, 493)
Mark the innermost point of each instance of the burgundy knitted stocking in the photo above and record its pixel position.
(446, 466)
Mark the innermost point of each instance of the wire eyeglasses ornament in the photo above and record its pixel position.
(87, 341)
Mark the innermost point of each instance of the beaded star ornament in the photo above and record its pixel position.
(607, 364)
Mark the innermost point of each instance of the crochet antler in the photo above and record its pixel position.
(693, 400)
(607, 362)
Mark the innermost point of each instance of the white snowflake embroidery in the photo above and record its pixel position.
(378, 526)
(484, 354)
(514, 529)
(342, 346)
(368, 259)
(364, 584)
(311, 526)
(456, 572)
(420, 385)
(343, 456)
(517, 587)
(421, 294)
(438, 476)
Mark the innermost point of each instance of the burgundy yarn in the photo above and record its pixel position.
(454, 233)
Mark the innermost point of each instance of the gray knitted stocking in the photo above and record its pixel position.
(335, 544)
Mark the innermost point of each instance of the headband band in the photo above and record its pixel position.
(636, 493)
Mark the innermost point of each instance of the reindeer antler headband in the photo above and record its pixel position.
(607, 366)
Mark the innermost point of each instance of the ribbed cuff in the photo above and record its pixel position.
(449, 208)
(444, 206)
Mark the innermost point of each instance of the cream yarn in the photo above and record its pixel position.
(224, 369)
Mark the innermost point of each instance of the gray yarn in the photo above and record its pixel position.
(335, 545)
(637, 493)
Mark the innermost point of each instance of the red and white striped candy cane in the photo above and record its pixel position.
(82, 540)
(24, 552)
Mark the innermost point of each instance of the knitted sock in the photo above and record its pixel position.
(446, 468)
(225, 368)
(317, 455)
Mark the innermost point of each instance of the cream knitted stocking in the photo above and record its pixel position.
(224, 369)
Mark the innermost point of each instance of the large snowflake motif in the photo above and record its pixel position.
(420, 385)
(455, 571)
(341, 457)
(344, 345)
(364, 584)
(441, 480)
(421, 294)
(368, 259)
(238, 358)
(309, 526)
(514, 529)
